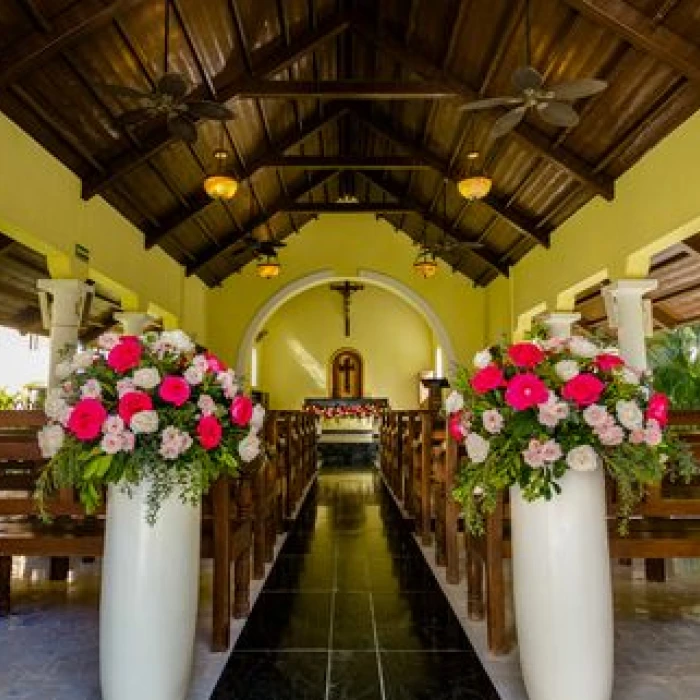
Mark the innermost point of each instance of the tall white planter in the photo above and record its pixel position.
(148, 609)
(562, 591)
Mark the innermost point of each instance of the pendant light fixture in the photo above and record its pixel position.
(476, 184)
(220, 185)
(269, 266)
(425, 263)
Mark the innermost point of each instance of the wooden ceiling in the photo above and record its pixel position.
(355, 98)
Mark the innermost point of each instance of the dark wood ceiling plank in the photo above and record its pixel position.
(484, 254)
(273, 64)
(31, 10)
(68, 28)
(531, 137)
(6, 244)
(341, 208)
(663, 318)
(644, 33)
(279, 206)
(335, 90)
(347, 162)
(515, 219)
(200, 200)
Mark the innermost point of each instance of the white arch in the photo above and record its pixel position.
(325, 276)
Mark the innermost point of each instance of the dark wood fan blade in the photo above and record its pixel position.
(135, 116)
(507, 122)
(490, 102)
(205, 109)
(558, 114)
(182, 128)
(527, 78)
(125, 91)
(577, 89)
(172, 84)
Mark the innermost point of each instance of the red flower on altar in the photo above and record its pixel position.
(86, 419)
(241, 410)
(584, 389)
(607, 362)
(215, 364)
(526, 355)
(126, 354)
(658, 409)
(526, 391)
(174, 390)
(487, 379)
(456, 428)
(209, 432)
(133, 402)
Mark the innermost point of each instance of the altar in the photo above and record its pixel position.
(348, 429)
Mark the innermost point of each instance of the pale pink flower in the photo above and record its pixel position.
(596, 415)
(652, 434)
(193, 375)
(124, 386)
(128, 441)
(112, 443)
(637, 436)
(493, 421)
(551, 451)
(113, 424)
(92, 389)
(206, 405)
(611, 435)
(533, 454)
(201, 363)
(107, 341)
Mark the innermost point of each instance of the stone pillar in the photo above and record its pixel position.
(133, 322)
(62, 316)
(560, 323)
(625, 306)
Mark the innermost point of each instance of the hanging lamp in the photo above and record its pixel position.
(476, 184)
(221, 185)
(425, 263)
(269, 266)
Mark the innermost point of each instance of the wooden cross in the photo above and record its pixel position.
(346, 367)
(347, 289)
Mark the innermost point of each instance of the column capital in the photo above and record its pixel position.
(631, 287)
(133, 322)
(68, 301)
(559, 323)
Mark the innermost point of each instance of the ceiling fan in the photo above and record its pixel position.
(168, 98)
(265, 247)
(552, 103)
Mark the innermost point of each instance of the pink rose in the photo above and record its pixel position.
(209, 431)
(215, 364)
(637, 436)
(584, 389)
(487, 379)
(133, 402)
(525, 391)
(125, 355)
(174, 390)
(652, 433)
(658, 409)
(606, 362)
(86, 419)
(241, 410)
(456, 428)
(526, 355)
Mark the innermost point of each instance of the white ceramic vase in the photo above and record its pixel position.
(148, 608)
(562, 591)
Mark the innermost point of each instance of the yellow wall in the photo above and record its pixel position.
(393, 339)
(41, 207)
(346, 245)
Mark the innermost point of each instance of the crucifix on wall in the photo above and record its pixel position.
(346, 290)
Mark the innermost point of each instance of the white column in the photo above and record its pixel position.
(560, 323)
(133, 322)
(625, 306)
(62, 316)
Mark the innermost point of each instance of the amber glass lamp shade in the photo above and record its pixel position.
(221, 185)
(474, 187)
(269, 267)
(425, 264)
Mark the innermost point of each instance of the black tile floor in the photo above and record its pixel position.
(351, 611)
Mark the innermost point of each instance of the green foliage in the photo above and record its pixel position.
(8, 400)
(674, 358)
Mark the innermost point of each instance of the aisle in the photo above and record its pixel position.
(352, 612)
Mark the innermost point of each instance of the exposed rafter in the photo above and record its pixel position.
(270, 66)
(412, 60)
(280, 206)
(348, 163)
(200, 200)
(393, 190)
(515, 219)
(643, 33)
(359, 208)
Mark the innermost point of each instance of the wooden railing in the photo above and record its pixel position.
(241, 517)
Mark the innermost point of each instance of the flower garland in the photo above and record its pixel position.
(365, 410)
(146, 409)
(533, 410)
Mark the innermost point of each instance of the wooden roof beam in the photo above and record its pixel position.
(339, 90)
(412, 60)
(520, 222)
(225, 91)
(280, 206)
(484, 254)
(351, 208)
(200, 201)
(663, 318)
(643, 33)
(347, 163)
(68, 28)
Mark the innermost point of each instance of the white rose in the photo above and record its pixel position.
(492, 421)
(81, 360)
(177, 339)
(258, 419)
(582, 459)
(55, 406)
(146, 378)
(629, 414)
(193, 375)
(454, 402)
(113, 424)
(92, 389)
(477, 448)
(200, 362)
(144, 422)
(249, 447)
(582, 347)
(50, 439)
(482, 359)
(62, 370)
(629, 376)
(566, 369)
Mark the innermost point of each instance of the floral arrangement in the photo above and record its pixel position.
(148, 408)
(532, 410)
(365, 410)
